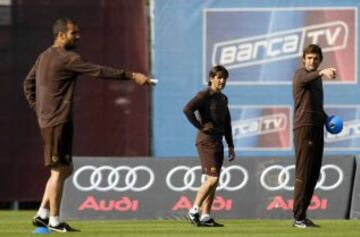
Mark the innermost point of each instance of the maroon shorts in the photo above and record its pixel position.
(211, 156)
(57, 142)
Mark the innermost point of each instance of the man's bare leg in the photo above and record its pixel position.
(42, 215)
(45, 203)
(206, 219)
(205, 190)
(207, 204)
(56, 184)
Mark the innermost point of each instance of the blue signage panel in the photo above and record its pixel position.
(261, 45)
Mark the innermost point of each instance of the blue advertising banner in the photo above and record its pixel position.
(261, 128)
(278, 44)
(261, 45)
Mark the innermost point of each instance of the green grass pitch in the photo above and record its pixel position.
(18, 223)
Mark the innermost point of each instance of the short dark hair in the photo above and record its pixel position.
(61, 24)
(218, 69)
(313, 48)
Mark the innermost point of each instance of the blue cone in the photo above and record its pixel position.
(334, 124)
(41, 230)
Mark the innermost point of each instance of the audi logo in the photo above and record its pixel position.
(189, 176)
(94, 178)
(283, 177)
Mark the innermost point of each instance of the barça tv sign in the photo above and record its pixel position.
(264, 46)
(261, 127)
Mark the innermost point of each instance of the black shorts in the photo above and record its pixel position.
(211, 154)
(57, 142)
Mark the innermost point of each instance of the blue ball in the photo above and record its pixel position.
(334, 124)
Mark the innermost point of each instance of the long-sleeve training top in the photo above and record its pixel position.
(49, 86)
(308, 99)
(212, 108)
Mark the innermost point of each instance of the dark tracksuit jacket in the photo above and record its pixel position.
(49, 86)
(213, 110)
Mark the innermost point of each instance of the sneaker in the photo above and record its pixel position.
(194, 218)
(62, 227)
(210, 223)
(299, 224)
(306, 223)
(40, 222)
(309, 223)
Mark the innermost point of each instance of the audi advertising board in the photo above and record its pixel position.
(355, 200)
(332, 192)
(109, 188)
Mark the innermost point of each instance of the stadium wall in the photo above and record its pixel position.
(111, 118)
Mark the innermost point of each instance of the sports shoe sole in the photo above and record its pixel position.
(57, 230)
(300, 226)
(211, 225)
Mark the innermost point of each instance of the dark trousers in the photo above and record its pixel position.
(309, 146)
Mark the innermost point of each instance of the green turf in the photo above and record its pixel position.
(18, 223)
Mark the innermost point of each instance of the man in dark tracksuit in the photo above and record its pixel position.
(309, 119)
(49, 88)
(213, 124)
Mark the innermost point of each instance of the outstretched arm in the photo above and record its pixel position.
(80, 66)
(328, 72)
(306, 77)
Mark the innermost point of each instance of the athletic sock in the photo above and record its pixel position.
(43, 213)
(205, 217)
(54, 220)
(194, 209)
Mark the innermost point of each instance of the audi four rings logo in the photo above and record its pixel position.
(106, 178)
(283, 177)
(189, 177)
(232, 178)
